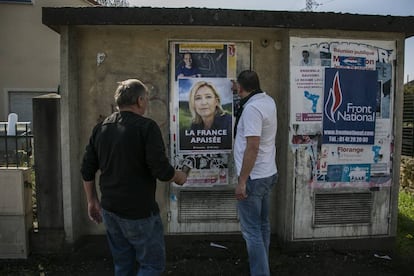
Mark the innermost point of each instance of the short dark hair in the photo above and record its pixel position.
(129, 91)
(249, 80)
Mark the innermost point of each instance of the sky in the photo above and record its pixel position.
(379, 7)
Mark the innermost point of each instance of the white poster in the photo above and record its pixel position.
(307, 94)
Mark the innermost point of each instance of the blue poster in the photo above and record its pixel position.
(350, 101)
(349, 173)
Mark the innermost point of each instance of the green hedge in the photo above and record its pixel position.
(407, 174)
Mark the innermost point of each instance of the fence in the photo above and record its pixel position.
(408, 126)
(16, 150)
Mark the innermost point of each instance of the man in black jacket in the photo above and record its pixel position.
(129, 151)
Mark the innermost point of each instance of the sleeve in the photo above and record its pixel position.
(253, 124)
(90, 163)
(156, 158)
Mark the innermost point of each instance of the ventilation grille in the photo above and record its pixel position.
(205, 206)
(342, 208)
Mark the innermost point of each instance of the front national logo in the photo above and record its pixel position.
(334, 99)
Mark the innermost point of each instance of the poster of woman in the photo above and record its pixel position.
(205, 118)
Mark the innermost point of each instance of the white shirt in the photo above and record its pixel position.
(309, 63)
(259, 118)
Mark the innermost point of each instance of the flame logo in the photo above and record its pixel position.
(334, 99)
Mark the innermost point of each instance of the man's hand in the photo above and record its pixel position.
(94, 211)
(240, 191)
(94, 206)
(179, 177)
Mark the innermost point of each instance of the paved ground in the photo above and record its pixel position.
(196, 256)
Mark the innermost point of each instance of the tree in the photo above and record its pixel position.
(409, 87)
(114, 3)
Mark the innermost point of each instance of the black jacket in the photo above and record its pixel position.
(129, 151)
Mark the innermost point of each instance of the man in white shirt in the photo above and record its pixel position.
(255, 155)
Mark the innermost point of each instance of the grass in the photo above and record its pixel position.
(405, 230)
(185, 119)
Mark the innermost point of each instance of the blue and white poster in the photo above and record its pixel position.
(349, 173)
(307, 94)
(350, 99)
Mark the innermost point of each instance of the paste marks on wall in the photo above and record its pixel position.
(157, 108)
(158, 105)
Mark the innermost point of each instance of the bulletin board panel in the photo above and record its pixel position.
(340, 132)
(195, 142)
(342, 94)
(202, 103)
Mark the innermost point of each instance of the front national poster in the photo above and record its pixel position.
(350, 99)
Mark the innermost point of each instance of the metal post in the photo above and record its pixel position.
(6, 146)
(16, 146)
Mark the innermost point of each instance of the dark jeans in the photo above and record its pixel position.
(131, 241)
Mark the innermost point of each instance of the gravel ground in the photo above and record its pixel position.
(196, 256)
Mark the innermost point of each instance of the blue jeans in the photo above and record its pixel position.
(132, 240)
(255, 224)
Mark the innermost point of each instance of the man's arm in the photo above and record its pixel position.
(249, 159)
(157, 160)
(94, 206)
(89, 167)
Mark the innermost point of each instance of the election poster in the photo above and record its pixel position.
(376, 155)
(205, 117)
(349, 106)
(353, 56)
(207, 60)
(203, 97)
(307, 94)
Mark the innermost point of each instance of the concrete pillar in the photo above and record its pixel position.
(69, 111)
(46, 132)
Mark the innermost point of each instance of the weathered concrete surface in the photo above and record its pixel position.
(220, 17)
(142, 52)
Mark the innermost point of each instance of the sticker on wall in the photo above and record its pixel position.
(205, 169)
(348, 173)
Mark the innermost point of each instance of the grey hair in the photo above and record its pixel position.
(129, 91)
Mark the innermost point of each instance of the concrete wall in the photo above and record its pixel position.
(137, 52)
(142, 52)
(29, 50)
